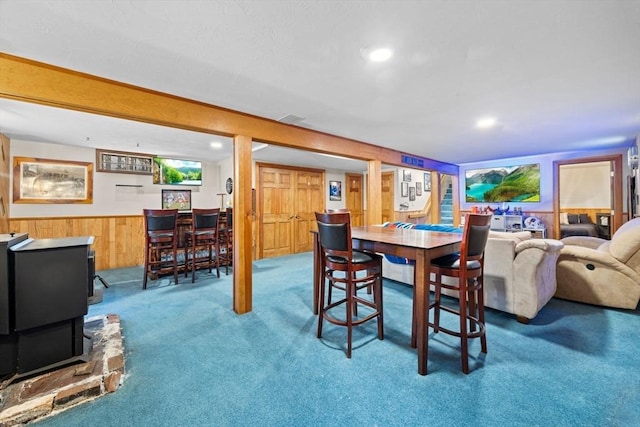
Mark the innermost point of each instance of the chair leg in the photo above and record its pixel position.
(321, 303)
(349, 305)
(378, 300)
(483, 337)
(436, 303)
(464, 342)
(146, 268)
(193, 261)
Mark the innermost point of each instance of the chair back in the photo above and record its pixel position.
(334, 232)
(205, 219)
(161, 220)
(475, 235)
(229, 212)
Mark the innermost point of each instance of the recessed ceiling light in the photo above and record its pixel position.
(216, 144)
(486, 123)
(380, 54)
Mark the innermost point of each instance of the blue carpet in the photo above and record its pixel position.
(191, 361)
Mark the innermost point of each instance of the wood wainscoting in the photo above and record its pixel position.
(119, 240)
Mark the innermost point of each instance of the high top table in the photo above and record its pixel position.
(418, 245)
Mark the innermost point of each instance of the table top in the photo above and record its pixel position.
(423, 239)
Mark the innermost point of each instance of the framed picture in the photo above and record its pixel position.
(427, 181)
(418, 189)
(406, 175)
(335, 190)
(404, 189)
(51, 181)
(412, 194)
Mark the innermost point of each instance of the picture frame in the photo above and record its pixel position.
(52, 181)
(412, 194)
(427, 181)
(404, 189)
(335, 190)
(406, 175)
(418, 189)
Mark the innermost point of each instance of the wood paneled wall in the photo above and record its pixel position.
(119, 240)
(591, 212)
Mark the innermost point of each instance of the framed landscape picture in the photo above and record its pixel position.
(51, 181)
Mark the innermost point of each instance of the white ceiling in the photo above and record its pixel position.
(560, 75)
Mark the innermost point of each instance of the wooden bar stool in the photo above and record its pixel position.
(161, 243)
(347, 270)
(202, 242)
(468, 268)
(226, 241)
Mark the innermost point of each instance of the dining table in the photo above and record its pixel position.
(421, 246)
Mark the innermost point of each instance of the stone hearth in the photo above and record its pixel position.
(26, 400)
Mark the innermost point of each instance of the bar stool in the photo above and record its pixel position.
(226, 241)
(468, 268)
(202, 241)
(349, 271)
(161, 243)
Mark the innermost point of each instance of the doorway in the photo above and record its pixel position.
(609, 199)
(354, 196)
(288, 198)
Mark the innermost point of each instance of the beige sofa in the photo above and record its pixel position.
(602, 272)
(519, 274)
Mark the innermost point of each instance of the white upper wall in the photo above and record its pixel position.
(108, 197)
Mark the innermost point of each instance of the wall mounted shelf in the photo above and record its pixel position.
(122, 162)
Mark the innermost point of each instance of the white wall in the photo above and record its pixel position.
(546, 176)
(416, 176)
(108, 198)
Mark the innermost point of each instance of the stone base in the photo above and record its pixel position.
(49, 393)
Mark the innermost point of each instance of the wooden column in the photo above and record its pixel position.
(374, 190)
(242, 251)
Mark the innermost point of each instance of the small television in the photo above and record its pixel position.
(519, 184)
(176, 199)
(167, 171)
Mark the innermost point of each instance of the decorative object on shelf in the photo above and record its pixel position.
(123, 162)
(533, 222)
(229, 185)
(52, 181)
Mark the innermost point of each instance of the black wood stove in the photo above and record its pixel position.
(43, 301)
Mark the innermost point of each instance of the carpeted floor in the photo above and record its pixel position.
(191, 361)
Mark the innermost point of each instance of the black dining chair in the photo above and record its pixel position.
(348, 270)
(161, 243)
(467, 267)
(202, 246)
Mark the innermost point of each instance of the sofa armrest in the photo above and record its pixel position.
(588, 255)
(550, 245)
(584, 241)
